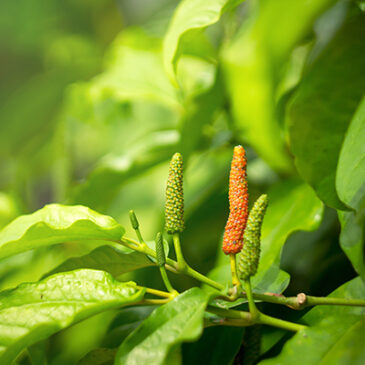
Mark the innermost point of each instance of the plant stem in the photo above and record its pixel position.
(251, 302)
(171, 265)
(153, 301)
(301, 301)
(235, 281)
(158, 293)
(248, 320)
(166, 280)
(181, 263)
(198, 276)
(276, 322)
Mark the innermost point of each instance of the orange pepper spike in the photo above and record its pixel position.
(238, 203)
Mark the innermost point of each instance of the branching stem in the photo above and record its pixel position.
(301, 301)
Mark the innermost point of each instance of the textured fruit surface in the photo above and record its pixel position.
(248, 258)
(238, 203)
(160, 252)
(174, 207)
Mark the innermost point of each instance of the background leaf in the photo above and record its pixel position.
(335, 334)
(254, 62)
(175, 322)
(56, 224)
(34, 311)
(190, 15)
(322, 107)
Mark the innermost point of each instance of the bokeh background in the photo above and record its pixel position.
(93, 104)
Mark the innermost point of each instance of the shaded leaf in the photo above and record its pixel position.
(217, 346)
(106, 258)
(56, 223)
(321, 109)
(173, 323)
(101, 356)
(34, 311)
(352, 239)
(335, 335)
(124, 323)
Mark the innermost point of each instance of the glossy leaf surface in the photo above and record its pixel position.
(34, 311)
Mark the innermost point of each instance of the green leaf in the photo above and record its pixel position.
(190, 15)
(135, 71)
(113, 171)
(101, 356)
(350, 177)
(254, 62)
(335, 335)
(173, 323)
(125, 322)
(217, 346)
(293, 206)
(352, 239)
(34, 311)
(106, 258)
(321, 111)
(56, 224)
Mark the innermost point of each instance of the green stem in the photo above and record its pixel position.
(167, 281)
(235, 281)
(248, 320)
(301, 301)
(181, 263)
(200, 277)
(279, 323)
(251, 302)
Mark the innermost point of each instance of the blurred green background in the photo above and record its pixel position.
(96, 96)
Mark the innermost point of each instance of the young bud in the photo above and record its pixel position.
(133, 219)
(174, 207)
(160, 251)
(248, 258)
(238, 203)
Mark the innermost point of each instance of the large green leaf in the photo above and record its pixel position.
(34, 311)
(254, 62)
(321, 111)
(190, 15)
(56, 224)
(350, 177)
(335, 334)
(173, 323)
(293, 206)
(106, 258)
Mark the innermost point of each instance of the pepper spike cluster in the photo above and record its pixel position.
(238, 203)
(248, 258)
(174, 207)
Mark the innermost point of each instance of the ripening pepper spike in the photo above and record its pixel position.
(160, 251)
(238, 203)
(248, 258)
(174, 206)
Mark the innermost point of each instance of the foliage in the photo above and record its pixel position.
(96, 97)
